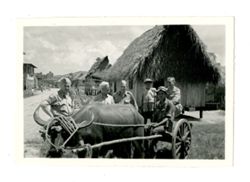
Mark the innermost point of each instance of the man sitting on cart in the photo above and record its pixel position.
(162, 118)
(164, 112)
(174, 94)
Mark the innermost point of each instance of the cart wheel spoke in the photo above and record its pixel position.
(177, 144)
(178, 149)
(182, 129)
(178, 156)
(185, 153)
(186, 135)
(178, 138)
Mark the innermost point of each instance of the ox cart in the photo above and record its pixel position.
(173, 141)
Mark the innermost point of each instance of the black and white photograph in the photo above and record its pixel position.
(141, 91)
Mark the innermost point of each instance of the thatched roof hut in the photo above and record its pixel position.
(96, 74)
(100, 65)
(164, 51)
(78, 78)
(101, 74)
(167, 50)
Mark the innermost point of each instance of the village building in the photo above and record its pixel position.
(95, 75)
(163, 51)
(29, 78)
(78, 80)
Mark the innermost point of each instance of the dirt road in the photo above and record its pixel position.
(31, 129)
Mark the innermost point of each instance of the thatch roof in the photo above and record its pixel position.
(221, 69)
(170, 50)
(100, 65)
(29, 64)
(102, 74)
(79, 75)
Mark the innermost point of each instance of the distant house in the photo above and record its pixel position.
(168, 50)
(95, 74)
(49, 75)
(78, 79)
(29, 78)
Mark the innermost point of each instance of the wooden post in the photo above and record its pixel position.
(201, 113)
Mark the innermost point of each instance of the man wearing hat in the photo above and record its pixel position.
(164, 107)
(162, 118)
(148, 100)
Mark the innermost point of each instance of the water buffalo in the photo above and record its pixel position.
(110, 122)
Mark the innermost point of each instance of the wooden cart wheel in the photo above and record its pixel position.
(181, 139)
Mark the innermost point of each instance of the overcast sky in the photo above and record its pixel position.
(69, 49)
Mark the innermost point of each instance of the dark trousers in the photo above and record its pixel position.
(147, 115)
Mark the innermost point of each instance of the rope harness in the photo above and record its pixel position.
(67, 123)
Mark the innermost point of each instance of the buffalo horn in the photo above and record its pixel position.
(37, 118)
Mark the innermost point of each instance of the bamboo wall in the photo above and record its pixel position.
(191, 94)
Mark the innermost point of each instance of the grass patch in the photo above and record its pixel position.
(208, 141)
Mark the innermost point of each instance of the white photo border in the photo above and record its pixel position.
(228, 22)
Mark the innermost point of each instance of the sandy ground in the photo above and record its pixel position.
(30, 127)
(33, 140)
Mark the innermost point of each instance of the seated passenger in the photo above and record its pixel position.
(164, 110)
(174, 94)
(162, 117)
